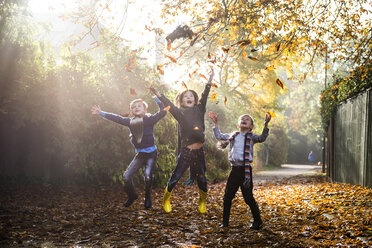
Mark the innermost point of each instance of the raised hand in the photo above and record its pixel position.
(95, 109)
(154, 91)
(267, 119)
(214, 118)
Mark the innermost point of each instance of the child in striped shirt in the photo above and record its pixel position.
(240, 156)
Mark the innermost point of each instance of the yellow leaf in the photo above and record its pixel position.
(244, 54)
(271, 113)
(213, 97)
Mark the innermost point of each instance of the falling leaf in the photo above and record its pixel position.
(181, 53)
(196, 128)
(253, 50)
(190, 75)
(279, 83)
(213, 97)
(253, 58)
(184, 85)
(243, 43)
(133, 92)
(197, 63)
(244, 54)
(271, 113)
(225, 100)
(213, 61)
(271, 67)
(214, 85)
(203, 76)
(209, 55)
(167, 108)
(171, 58)
(326, 67)
(169, 46)
(226, 50)
(278, 47)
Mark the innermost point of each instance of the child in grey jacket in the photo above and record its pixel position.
(241, 156)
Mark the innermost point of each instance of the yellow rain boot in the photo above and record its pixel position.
(202, 201)
(166, 200)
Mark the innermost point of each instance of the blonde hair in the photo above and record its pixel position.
(138, 100)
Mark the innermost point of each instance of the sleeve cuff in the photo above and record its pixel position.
(102, 113)
(157, 100)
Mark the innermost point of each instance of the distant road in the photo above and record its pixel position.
(289, 170)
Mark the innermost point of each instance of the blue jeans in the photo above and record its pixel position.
(141, 159)
(195, 159)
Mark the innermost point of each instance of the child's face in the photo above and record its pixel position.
(138, 109)
(188, 100)
(245, 123)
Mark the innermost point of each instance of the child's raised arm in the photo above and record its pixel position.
(204, 96)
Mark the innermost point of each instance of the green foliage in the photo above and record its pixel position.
(342, 89)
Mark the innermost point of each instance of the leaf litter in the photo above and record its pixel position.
(301, 211)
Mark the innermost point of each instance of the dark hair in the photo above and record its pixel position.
(179, 97)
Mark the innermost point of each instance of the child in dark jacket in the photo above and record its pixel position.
(141, 128)
(240, 156)
(190, 117)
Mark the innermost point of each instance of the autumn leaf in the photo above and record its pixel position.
(160, 70)
(278, 47)
(169, 46)
(196, 128)
(214, 85)
(244, 54)
(225, 50)
(271, 67)
(225, 100)
(167, 108)
(213, 97)
(203, 76)
(197, 63)
(326, 67)
(243, 43)
(171, 58)
(133, 92)
(271, 113)
(253, 58)
(209, 55)
(184, 85)
(253, 50)
(279, 83)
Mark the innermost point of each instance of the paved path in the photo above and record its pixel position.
(289, 170)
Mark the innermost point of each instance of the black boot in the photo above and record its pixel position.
(148, 203)
(257, 221)
(226, 214)
(132, 195)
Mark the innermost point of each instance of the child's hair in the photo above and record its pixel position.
(138, 100)
(247, 115)
(179, 97)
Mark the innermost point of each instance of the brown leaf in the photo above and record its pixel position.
(253, 58)
(225, 50)
(279, 83)
(171, 58)
(184, 85)
(203, 76)
(225, 100)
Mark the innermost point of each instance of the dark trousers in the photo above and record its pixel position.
(141, 159)
(196, 160)
(235, 180)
